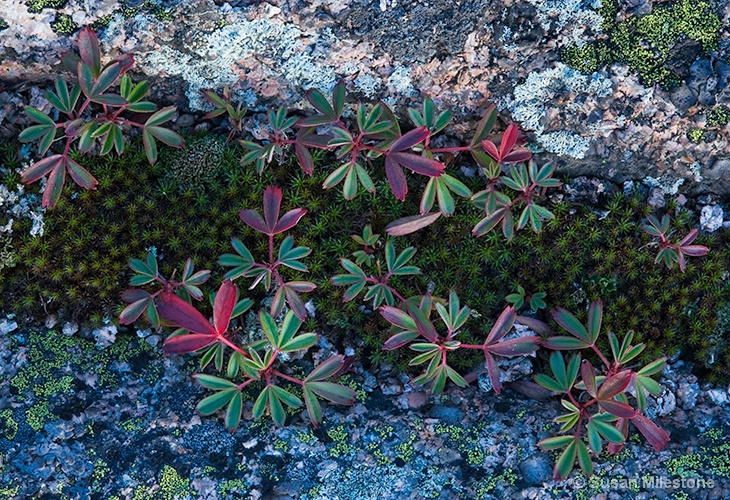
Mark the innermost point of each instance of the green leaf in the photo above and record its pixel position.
(212, 382)
(161, 116)
(167, 136)
(286, 397)
(260, 405)
(269, 326)
(275, 407)
(38, 116)
(336, 176)
(566, 460)
(215, 402)
(303, 341)
(314, 409)
(233, 415)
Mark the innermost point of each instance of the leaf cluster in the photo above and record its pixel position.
(672, 253)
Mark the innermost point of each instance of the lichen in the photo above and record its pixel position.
(64, 25)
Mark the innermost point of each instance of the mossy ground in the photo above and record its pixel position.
(78, 269)
(645, 42)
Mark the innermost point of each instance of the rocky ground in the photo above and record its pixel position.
(101, 414)
(463, 54)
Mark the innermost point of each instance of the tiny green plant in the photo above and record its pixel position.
(146, 272)
(107, 126)
(598, 404)
(672, 253)
(256, 362)
(378, 288)
(519, 297)
(243, 262)
(414, 321)
(223, 105)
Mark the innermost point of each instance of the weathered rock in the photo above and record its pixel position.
(711, 218)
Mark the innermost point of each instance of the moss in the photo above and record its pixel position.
(3, 24)
(340, 445)
(718, 117)
(9, 425)
(696, 135)
(38, 415)
(200, 161)
(172, 485)
(645, 42)
(64, 25)
(35, 6)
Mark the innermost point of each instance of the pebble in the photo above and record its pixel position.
(536, 469)
(687, 393)
(185, 121)
(7, 326)
(656, 198)
(51, 321)
(711, 218)
(447, 414)
(683, 98)
(718, 396)
(105, 336)
(70, 328)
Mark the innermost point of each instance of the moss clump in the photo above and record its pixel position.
(645, 43)
(64, 25)
(172, 485)
(718, 117)
(3, 24)
(200, 161)
(696, 135)
(35, 6)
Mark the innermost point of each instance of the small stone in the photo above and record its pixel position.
(391, 387)
(7, 326)
(656, 198)
(51, 321)
(153, 340)
(536, 469)
(447, 414)
(185, 121)
(687, 393)
(311, 309)
(711, 218)
(105, 336)
(70, 328)
(718, 396)
(683, 98)
(417, 399)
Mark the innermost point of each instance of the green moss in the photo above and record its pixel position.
(38, 415)
(35, 6)
(645, 42)
(718, 117)
(696, 135)
(172, 485)
(3, 24)
(200, 161)
(9, 425)
(340, 445)
(64, 25)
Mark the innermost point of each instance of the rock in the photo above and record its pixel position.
(687, 392)
(70, 328)
(51, 321)
(718, 396)
(417, 399)
(536, 469)
(656, 198)
(682, 55)
(663, 405)
(7, 326)
(447, 414)
(105, 336)
(711, 218)
(185, 121)
(391, 387)
(683, 98)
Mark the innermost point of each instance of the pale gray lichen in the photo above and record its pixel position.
(367, 84)
(532, 98)
(212, 62)
(666, 183)
(400, 80)
(576, 14)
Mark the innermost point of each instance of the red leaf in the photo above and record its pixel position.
(80, 175)
(694, 250)
(134, 294)
(419, 164)
(517, 156)
(187, 343)
(501, 326)
(622, 425)
(225, 300)
(175, 310)
(617, 408)
(410, 139)
(305, 158)
(657, 437)
(491, 149)
(408, 225)
(494, 373)
(89, 49)
(40, 168)
(253, 219)
(691, 236)
(54, 186)
(508, 140)
(396, 178)
(289, 220)
(614, 385)
(515, 347)
(272, 203)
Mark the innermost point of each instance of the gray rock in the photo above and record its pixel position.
(687, 392)
(70, 328)
(447, 414)
(718, 396)
(51, 321)
(391, 387)
(656, 198)
(536, 469)
(683, 98)
(185, 121)
(711, 218)
(7, 326)
(105, 336)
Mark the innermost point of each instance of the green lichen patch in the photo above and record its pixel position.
(645, 42)
(35, 6)
(696, 135)
(719, 116)
(64, 25)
